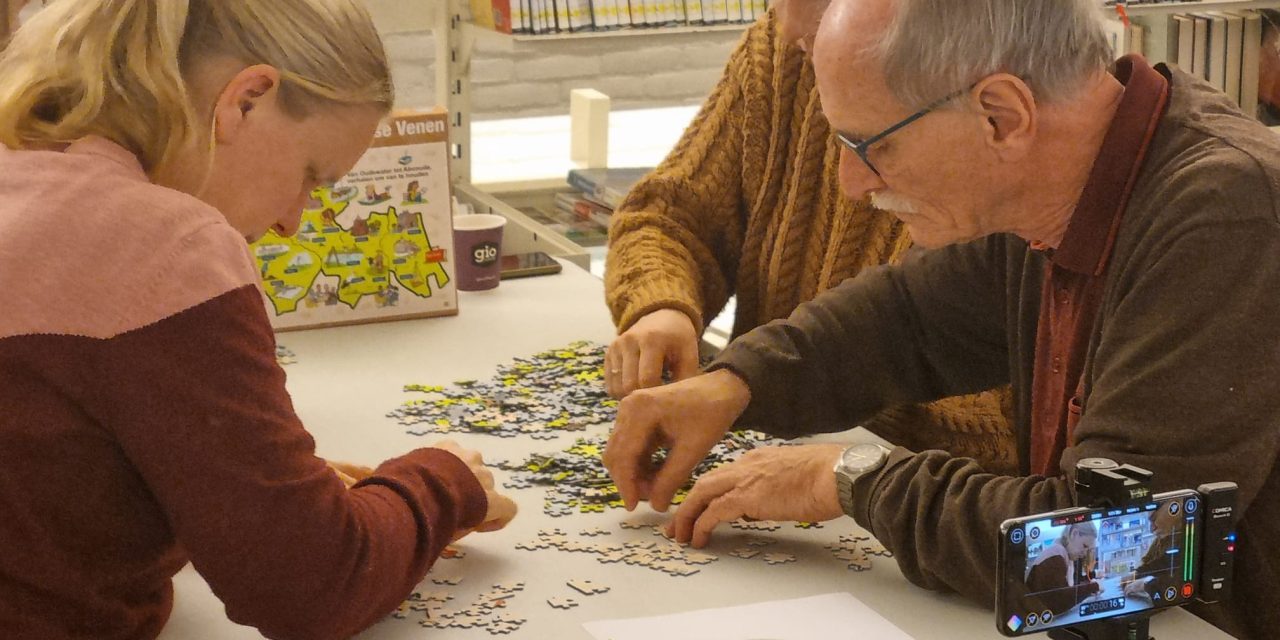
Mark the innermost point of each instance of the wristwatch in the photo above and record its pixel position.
(854, 462)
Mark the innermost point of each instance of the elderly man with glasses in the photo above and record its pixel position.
(1105, 237)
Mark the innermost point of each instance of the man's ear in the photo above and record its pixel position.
(1011, 114)
(250, 89)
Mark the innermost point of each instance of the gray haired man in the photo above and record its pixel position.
(1123, 220)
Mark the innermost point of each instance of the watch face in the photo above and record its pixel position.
(861, 458)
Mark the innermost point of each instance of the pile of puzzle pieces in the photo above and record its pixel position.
(577, 481)
(556, 390)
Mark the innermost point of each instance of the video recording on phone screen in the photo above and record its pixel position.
(1093, 564)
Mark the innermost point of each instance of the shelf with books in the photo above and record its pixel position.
(513, 41)
(1219, 41)
(527, 206)
(1135, 9)
(577, 17)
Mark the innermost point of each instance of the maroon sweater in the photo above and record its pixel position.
(145, 424)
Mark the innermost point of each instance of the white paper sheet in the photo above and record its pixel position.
(833, 616)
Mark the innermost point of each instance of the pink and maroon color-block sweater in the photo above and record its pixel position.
(144, 423)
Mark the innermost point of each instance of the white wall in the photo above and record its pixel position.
(535, 80)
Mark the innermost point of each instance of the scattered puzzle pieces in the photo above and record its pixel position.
(755, 525)
(482, 613)
(284, 356)
(587, 587)
(658, 555)
(562, 603)
(855, 551)
(511, 586)
(779, 558)
(503, 624)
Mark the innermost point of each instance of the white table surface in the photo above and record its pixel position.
(345, 381)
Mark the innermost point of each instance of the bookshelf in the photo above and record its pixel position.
(456, 41)
(1164, 8)
(1217, 40)
(514, 41)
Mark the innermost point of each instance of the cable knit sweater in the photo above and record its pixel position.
(748, 202)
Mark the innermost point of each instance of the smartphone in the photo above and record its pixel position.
(1079, 565)
(536, 263)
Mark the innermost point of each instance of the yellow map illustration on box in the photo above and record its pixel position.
(375, 245)
(380, 255)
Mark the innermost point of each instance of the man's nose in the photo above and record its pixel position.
(856, 178)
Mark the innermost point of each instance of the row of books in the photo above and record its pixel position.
(583, 214)
(537, 17)
(1222, 47)
(575, 218)
(1112, 3)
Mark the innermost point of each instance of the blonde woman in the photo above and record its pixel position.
(1058, 577)
(145, 422)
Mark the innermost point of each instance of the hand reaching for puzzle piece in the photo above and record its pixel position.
(501, 508)
(770, 483)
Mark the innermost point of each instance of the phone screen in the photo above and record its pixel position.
(534, 263)
(1078, 565)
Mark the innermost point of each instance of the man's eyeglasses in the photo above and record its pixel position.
(861, 147)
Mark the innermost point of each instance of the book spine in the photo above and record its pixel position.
(581, 182)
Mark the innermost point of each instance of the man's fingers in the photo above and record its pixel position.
(674, 473)
(627, 453)
(726, 508)
(708, 488)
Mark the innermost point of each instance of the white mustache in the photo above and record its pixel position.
(892, 202)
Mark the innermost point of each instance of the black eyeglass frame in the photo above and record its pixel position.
(862, 147)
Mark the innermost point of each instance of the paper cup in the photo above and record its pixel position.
(477, 239)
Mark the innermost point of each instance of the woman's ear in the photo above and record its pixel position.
(250, 89)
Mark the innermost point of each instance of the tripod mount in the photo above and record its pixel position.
(1102, 483)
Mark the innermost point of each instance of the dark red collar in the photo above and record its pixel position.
(1086, 245)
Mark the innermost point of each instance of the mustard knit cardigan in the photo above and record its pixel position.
(748, 202)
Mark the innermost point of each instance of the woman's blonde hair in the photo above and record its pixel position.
(121, 69)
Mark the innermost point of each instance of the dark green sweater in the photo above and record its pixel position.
(1182, 372)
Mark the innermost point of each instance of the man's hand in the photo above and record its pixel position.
(501, 508)
(635, 360)
(770, 483)
(687, 417)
